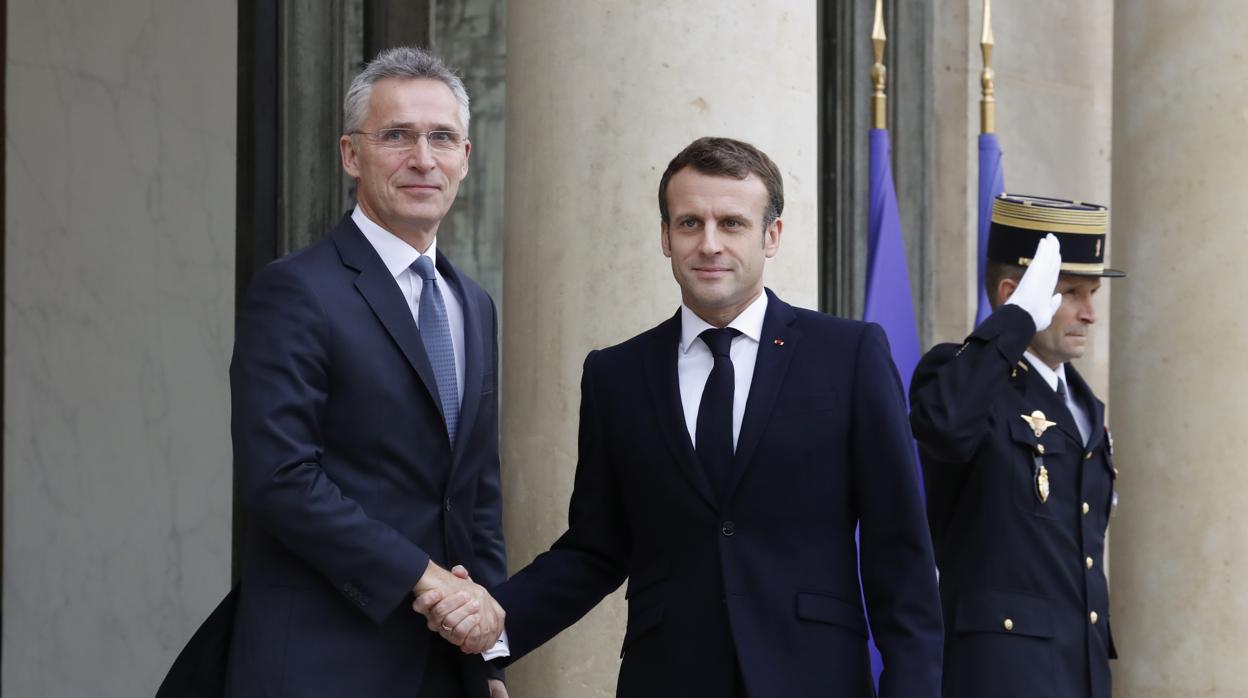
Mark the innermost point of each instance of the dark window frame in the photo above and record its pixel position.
(845, 59)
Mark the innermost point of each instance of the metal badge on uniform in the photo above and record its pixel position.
(1113, 504)
(1042, 482)
(1109, 441)
(1037, 422)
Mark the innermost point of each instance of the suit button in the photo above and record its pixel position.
(1086, 508)
(1087, 562)
(1008, 624)
(729, 528)
(1092, 617)
(1087, 456)
(447, 504)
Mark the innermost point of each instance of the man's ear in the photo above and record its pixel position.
(1005, 289)
(771, 238)
(346, 148)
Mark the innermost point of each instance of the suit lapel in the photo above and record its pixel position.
(473, 356)
(377, 286)
(776, 345)
(664, 387)
(1039, 396)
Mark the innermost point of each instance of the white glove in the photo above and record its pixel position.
(1035, 290)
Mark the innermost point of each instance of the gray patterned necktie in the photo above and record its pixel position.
(435, 334)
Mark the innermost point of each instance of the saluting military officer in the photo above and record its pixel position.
(1018, 465)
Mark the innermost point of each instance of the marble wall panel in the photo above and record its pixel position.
(119, 295)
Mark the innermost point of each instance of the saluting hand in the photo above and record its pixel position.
(1035, 290)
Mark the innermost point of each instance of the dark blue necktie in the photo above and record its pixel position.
(714, 430)
(435, 333)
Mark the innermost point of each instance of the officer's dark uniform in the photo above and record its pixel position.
(1018, 508)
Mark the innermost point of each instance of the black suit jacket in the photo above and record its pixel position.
(1006, 550)
(343, 460)
(769, 574)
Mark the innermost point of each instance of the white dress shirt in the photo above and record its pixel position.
(1082, 421)
(398, 256)
(694, 362)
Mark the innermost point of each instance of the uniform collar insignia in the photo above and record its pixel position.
(1037, 422)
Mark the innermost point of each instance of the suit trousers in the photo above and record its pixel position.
(442, 675)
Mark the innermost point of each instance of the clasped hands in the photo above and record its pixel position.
(459, 609)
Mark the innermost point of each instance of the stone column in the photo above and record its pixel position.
(600, 97)
(1179, 369)
(1053, 86)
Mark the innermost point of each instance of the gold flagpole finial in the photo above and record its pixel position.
(879, 74)
(987, 103)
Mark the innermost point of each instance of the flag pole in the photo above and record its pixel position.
(879, 74)
(987, 103)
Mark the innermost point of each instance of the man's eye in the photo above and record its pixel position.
(689, 223)
(392, 135)
(732, 223)
(441, 137)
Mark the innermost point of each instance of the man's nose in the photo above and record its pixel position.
(710, 243)
(421, 157)
(1087, 311)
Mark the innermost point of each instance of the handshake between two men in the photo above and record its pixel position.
(459, 609)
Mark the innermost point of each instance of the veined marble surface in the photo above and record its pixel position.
(119, 298)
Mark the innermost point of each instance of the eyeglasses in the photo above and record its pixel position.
(401, 139)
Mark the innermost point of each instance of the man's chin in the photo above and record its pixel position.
(1076, 351)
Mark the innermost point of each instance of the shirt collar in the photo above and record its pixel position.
(1049, 375)
(397, 255)
(749, 322)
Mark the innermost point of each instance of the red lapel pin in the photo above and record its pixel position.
(779, 342)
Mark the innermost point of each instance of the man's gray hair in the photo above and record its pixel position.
(404, 63)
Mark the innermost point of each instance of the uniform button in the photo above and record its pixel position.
(1092, 617)
(1008, 624)
(1087, 456)
(1086, 508)
(729, 528)
(1087, 562)
(1040, 449)
(447, 504)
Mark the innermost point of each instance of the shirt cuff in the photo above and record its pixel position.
(500, 648)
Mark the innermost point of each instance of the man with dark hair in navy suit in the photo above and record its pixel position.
(726, 459)
(365, 422)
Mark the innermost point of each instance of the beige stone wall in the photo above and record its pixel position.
(1179, 375)
(600, 96)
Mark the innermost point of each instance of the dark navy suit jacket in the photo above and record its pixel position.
(343, 460)
(770, 573)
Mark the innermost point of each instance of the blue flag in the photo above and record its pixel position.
(991, 183)
(888, 299)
